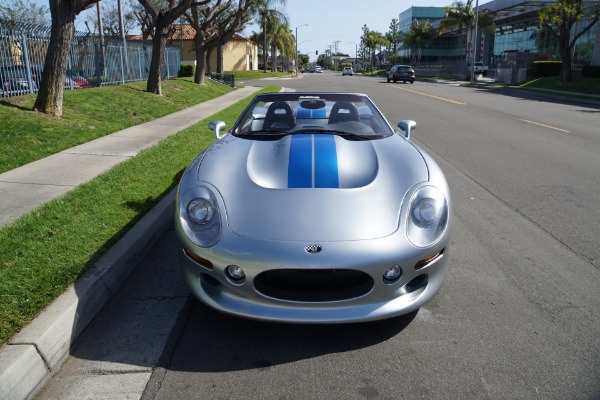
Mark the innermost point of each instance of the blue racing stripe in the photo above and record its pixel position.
(303, 113)
(326, 162)
(300, 162)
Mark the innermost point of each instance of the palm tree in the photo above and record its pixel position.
(372, 39)
(278, 33)
(461, 16)
(420, 33)
(264, 11)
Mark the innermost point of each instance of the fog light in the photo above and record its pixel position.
(392, 274)
(235, 273)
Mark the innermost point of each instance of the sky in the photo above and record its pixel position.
(333, 21)
(341, 21)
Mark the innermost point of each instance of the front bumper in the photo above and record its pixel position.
(342, 283)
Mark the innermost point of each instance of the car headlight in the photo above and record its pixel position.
(428, 216)
(200, 217)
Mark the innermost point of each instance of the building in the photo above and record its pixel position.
(517, 33)
(239, 53)
(418, 14)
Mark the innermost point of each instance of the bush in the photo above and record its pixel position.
(186, 70)
(541, 69)
(591, 71)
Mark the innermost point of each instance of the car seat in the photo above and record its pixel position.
(279, 116)
(343, 111)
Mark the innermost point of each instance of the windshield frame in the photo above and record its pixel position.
(313, 110)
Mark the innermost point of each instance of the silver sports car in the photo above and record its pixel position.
(313, 209)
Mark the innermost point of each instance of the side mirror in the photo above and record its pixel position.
(217, 127)
(407, 125)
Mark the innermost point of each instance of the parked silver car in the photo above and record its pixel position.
(313, 209)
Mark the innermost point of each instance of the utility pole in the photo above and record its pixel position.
(122, 35)
(475, 44)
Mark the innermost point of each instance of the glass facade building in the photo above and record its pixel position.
(529, 37)
(517, 30)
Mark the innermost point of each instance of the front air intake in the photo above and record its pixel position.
(321, 285)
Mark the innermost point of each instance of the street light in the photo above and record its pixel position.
(296, 56)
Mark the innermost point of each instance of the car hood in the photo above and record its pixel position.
(312, 187)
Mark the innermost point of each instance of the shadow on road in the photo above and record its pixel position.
(543, 97)
(215, 342)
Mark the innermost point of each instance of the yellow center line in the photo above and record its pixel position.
(545, 126)
(430, 95)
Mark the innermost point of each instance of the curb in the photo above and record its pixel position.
(28, 360)
(32, 355)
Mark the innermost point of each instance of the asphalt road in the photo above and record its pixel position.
(518, 317)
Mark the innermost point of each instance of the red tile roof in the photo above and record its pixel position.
(182, 32)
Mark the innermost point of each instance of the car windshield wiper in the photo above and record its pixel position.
(344, 134)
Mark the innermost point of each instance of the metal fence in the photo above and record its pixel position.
(23, 52)
(221, 77)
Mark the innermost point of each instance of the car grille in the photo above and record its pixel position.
(313, 285)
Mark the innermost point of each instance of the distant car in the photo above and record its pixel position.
(478, 68)
(318, 69)
(311, 208)
(404, 73)
(347, 71)
(81, 81)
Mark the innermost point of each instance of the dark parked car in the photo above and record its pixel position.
(14, 81)
(404, 73)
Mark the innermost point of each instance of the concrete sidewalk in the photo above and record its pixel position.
(28, 187)
(31, 357)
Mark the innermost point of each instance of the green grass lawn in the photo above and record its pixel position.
(45, 251)
(259, 74)
(579, 85)
(26, 136)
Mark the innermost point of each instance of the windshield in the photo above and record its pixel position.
(351, 116)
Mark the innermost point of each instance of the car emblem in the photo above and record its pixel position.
(313, 248)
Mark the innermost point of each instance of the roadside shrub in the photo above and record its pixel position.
(591, 71)
(186, 70)
(541, 69)
(95, 81)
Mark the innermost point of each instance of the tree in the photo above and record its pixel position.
(266, 10)
(458, 16)
(372, 40)
(110, 19)
(226, 24)
(393, 35)
(24, 11)
(303, 60)
(50, 95)
(559, 18)
(419, 34)
(203, 21)
(461, 16)
(162, 19)
(144, 19)
(280, 38)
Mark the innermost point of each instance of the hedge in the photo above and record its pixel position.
(546, 68)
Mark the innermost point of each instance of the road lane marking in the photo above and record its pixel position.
(431, 95)
(545, 126)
